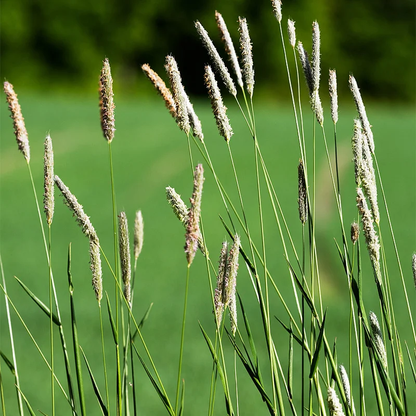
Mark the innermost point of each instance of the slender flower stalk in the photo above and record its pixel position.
(218, 107)
(87, 228)
(229, 47)
(220, 298)
(48, 196)
(378, 339)
(138, 234)
(124, 246)
(291, 32)
(178, 92)
(18, 120)
(162, 89)
(361, 112)
(106, 102)
(302, 193)
(335, 407)
(277, 9)
(216, 58)
(246, 55)
(333, 95)
(192, 229)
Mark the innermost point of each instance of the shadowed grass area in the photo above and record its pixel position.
(150, 153)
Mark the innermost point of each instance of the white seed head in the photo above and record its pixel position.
(138, 234)
(49, 185)
(316, 55)
(219, 298)
(334, 405)
(378, 339)
(277, 9)
(316, 106)
(216, 58)
(346, 386)
(106, 102)
(246, 55)
(306, 66)
(291, 32)
(333, 93)
(229, 47)
(95, 263)
(357, 150)
(194, 121)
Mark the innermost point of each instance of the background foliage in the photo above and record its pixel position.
(60, 44)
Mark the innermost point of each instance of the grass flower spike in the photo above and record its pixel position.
(355, 232)
(229, 47)
(179, 95)
(306, 66)
(96, 270)
(346, 385)
(378, 339)
(106, 102)
(192, 229)
(215, 56)
(194, 121)
(333, 94)
(246, 55)
(162, 89)
(302, 192)
(291, 32)
(220, 298)
(48, 196)
(218, 107)
(138, 234)
(18, 121)
(231, 282)
(316, 55)
(179, 207)
(124, 246)
(335, 407)
(277, 9)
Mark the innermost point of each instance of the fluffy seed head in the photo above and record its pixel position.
(18, 121)
(277, 9)
(355, 232)
(194, 121)
(95, 263)
(138, 234)
(124, 248)
(78, 211)
(346, 386)
(361, 112)
(218, 107)
(357, 150)
(333, 94)
(291, 32)
(378, 339)
(106, 102)
(179, 207)
(216, 58)
(246, 55)
(178, 92)
(316, 106)
(162, 89)
(48, 195)
(229, 47)
(316, 55)
(231, 282)
(335, 407)
(306, 66)
(303, 197)
(219, 298)
(192, 229)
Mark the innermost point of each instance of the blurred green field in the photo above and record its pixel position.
(150, 153)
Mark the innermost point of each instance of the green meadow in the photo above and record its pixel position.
(150, 153)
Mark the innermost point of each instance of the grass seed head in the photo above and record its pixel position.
(333, 93)
(194, 121)
(355, 232)
(378, 338)
(316, 105)
(346, 386)
(218, 107)
(138, 234)
(162, 89)
(106, 102)
(18, 121)
(229, 47)
(220, 294)
(216, 58)
(231, 282)
(192, 229)
(179, 207)
(302, 193)
(95, 263)
(357, 150)
(246, 55)
(361, 112)
(124, 248)
(277, 9)
(306, 66)
(335, 407)
(179, 94)
(316, 55)
(48, 180)
(291, 32)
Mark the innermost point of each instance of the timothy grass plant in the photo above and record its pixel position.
(276, 343)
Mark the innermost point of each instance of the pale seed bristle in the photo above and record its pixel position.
(178, 92)
(124, 249)
(333, 93)
(291, 32)
(361, 112)
(246, 55)
(20, 131)
(161, 87)
(138, 234)
(218, 107)
(48, 180)
(334, 405)
(378, 338)
(216, 58)
(192, 229)
(229, 47)
(106, 102)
